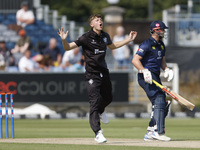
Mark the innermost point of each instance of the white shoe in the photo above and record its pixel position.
(104, 118)
(148, 136)
(162, 137)
(99, 138)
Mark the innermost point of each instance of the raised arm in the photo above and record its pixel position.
(118, 44)
(67, 46)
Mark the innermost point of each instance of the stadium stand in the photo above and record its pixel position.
(39, 31)
(1, 18)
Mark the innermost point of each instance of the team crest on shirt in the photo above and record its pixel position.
(105, 39)
(162, 47)
(93, 41)
(159, 55)
(153, 47)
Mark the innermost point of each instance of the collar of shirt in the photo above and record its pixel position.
(95, 34)
(154, 42)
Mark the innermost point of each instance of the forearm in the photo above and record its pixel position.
(24, 48)
(20, 20)
(118, 44)
(122, 43)
(68, 46)
(59, 59)
(65, 45)
(164, 64)
(30, 21)
(15, 49)
(138, 65)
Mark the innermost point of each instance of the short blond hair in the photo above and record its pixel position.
(92, 17)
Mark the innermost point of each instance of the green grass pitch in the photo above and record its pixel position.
(177, 129)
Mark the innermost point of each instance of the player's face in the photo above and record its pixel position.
(160, 32)
(97, 24)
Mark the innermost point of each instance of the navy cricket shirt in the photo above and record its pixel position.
(152, 53)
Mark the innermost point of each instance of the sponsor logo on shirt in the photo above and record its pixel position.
(162, 47)
(97, 51)
(153, 47)
(140, 50)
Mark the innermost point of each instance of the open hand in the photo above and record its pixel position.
(132, 35)
(62, 34)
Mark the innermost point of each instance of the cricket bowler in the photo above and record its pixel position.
(94, 44)
(149, 60)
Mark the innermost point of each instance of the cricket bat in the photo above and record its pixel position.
(175, 96)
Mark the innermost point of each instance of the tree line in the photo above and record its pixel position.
(80, 10)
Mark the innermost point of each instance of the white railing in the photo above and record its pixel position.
(51, 17)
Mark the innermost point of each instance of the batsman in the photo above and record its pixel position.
(149, 60)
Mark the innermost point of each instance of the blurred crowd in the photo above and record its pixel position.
(49, 55)
(25, 58)
(47, 59)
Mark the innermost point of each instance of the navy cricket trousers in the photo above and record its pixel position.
(157, 98)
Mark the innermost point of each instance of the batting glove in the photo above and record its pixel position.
(169, 73)
(147, 75)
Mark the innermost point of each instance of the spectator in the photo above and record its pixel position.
(25, 63)
(53, 51)
(72, 58)
(8, 59)
(121, 54)
(24, 16)
(21, 46)
(44, 62)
